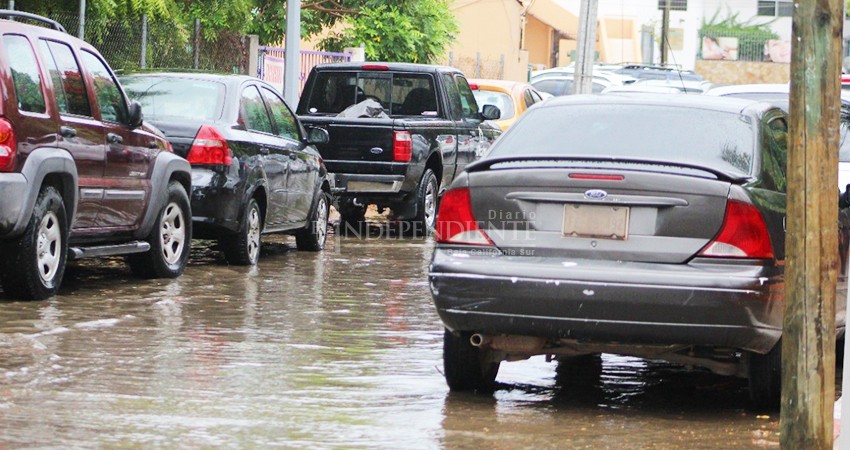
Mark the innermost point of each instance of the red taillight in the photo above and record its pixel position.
(402, 146)
(209, 148)
(375, 67)
(8, 145)
(743, 235)
(455, 222)
(474, 86)
(596, 176)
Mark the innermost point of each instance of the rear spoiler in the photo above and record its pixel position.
(487, 164)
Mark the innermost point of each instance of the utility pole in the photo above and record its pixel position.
(81, 31)
(292, 55)
(583, 75)
(665, 30)
(811, 265)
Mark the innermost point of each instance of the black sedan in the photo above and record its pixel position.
(254, 167)
(649, 226)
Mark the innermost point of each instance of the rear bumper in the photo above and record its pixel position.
(352, 184)
(705, 304)
(216, 202)
(13, 195)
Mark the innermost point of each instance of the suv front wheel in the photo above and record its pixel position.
(170, 239)
(35, 262)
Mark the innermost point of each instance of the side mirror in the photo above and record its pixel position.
(491, 112)
(134, 114)
(317, 136)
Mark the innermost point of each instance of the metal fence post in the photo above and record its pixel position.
(143, 60)
(12, 5)
(502, 66)
(82, 29)
(196, 46)
(477, 64)
(451, 59)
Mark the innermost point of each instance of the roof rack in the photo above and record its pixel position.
(24, 15)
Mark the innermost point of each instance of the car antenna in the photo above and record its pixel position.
(676, 65)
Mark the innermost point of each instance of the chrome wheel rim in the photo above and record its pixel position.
(253, 235)
(322, 221)
(430, 204)
(172, 236)
(48, 248)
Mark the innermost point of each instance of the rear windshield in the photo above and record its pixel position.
(164, 98)
(499, 99)
(720, 140)
(399, 94)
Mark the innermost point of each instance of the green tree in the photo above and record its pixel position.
(390, 30)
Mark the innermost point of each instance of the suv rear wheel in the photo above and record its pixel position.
(170, 239)
(426, 205)
(35, 263)
(243, 247)
(467, 368)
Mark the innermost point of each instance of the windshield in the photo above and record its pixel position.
(499, 99)
(164, 98)
(706, 138)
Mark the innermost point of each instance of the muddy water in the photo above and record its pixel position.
(334, 350)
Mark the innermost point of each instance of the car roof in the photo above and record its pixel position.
(764, 88)
(391, 66)
(205, 76)
(722, 104)
(38, 30)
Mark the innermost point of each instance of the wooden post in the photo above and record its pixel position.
(665, 30)
(808, 340)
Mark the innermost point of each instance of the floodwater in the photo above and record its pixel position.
(340, 349)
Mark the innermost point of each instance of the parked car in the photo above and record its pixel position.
(599, 72)
(81, 175)
(612, 224)
(398, 135)
(684, 86)
(558, 85)
(779, 95)
(511, 97)
(656, 72)
(255, 169)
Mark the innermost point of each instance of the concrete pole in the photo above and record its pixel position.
(583, 76)
(81, 31)
(143, 60)
(292, 69)
(196, 45)
(811, 263)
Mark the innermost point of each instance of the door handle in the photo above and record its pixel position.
(113, 138)
(67, 132)
(264, 150)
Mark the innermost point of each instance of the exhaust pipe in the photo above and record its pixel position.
(505, 343)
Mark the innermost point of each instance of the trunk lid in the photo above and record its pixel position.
(621, 214)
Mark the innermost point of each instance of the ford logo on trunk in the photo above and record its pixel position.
(597, 194)
(376, 150)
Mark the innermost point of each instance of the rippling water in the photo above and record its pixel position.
(340, 349)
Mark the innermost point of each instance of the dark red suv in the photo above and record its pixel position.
(80, 174)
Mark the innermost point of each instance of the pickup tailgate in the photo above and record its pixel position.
(354, 143)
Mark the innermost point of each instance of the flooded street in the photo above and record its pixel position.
(340, 349)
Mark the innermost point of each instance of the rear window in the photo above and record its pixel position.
(400, 94)
(164, 98)
(499, 99)
(659, 133)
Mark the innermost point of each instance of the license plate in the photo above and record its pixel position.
(596, 221)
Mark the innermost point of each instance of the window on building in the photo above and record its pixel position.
(776, 8)
(675, 5)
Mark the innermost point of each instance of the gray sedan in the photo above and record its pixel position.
(650, 226)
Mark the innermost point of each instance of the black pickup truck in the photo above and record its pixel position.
(399, 134)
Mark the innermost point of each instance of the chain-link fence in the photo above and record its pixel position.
(742, 45)
(476, 66)
(163, 44)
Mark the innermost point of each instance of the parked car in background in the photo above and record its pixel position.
(612, 224)
(599, 72)
(683, 85)
(558, 85)
(635, 88)
(779, 95)
(80, 174)
(511, 97)
(399, 133)
(255, 169)
(656, 72)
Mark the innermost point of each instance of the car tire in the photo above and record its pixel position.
(426, 205)
(467, 368)
(312, 238)
(35, 262)
(765, 378)
(352, 219)
(243, 247)
(170, 239)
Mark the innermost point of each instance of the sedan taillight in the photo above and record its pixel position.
(209, 148)
(8, 145)
(743, 235)
(455, 222)
(402, 146)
